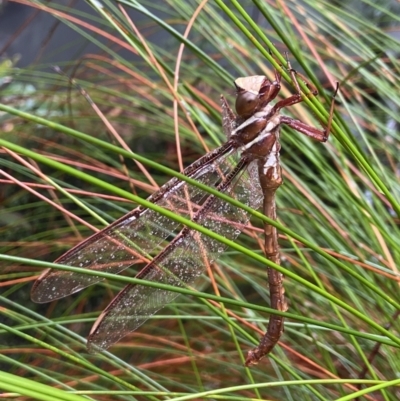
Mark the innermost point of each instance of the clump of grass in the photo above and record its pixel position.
(338, 214)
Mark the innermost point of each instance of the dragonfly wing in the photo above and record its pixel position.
(179, 264)
(228, 118)
(133, 237)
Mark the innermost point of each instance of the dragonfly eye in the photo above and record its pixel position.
(246, 102)
(248, 92)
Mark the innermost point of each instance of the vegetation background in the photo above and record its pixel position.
(338, 208)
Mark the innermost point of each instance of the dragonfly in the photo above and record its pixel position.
(246, 167)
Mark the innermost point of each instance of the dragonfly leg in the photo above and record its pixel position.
(321, 135)
(315, 133)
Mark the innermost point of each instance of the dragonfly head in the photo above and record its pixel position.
(250, 93)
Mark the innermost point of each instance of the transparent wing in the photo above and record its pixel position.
(179, 264)
(228, 118)
(133, 237)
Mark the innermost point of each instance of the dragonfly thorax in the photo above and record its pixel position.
(257, 121)
(256, 135)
